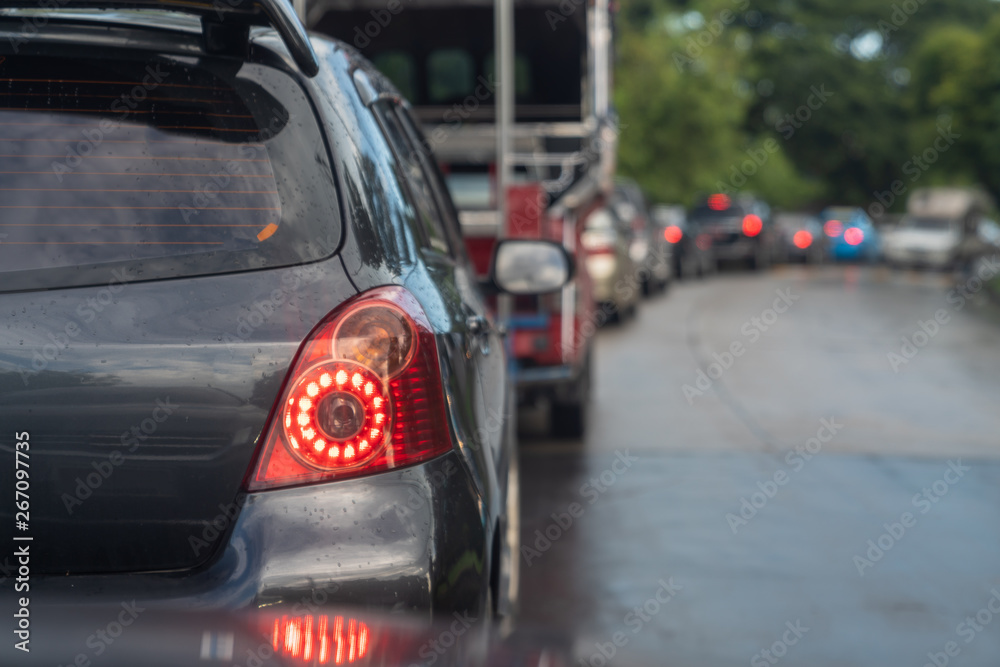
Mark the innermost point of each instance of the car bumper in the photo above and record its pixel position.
(919, 257)
(739, 249)
(406, 540)
(847, 251)
(558, 383)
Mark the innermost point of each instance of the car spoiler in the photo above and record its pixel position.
(225, 23)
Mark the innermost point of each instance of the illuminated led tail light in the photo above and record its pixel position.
(853, 236)
(833, 228)
(364, 395)
(802, 239)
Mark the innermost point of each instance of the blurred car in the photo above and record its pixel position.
(740, 227)
(802, 238)
(940, 229)
(692, 251)
(650, 253)
(261, 368)
(851, 234)
(607, 242)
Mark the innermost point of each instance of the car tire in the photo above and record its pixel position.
(568, 419)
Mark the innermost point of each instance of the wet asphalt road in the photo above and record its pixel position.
(640, 534)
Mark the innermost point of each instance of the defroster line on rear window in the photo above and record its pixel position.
(115, 83)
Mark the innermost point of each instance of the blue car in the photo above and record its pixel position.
(851, 234)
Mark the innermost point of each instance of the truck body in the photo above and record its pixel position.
(562, 147)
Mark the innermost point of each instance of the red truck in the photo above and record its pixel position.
(536, 171)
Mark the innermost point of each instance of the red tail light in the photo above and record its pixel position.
(322, 640)
(802, 239)
(718, 202)
(673, 234)
(363, 396)
(752, 225)
(854, 236)
(833, 228)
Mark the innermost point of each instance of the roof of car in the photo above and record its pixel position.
(221, 24)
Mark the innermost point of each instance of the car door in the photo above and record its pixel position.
(489, 341)
(444, 255)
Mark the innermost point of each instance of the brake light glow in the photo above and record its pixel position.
(718, 202)
(833, 228)
(673, 234)
(322, 640)
(337, 415)
(854, 236)
(802, 239)
(752, 224)
(364, 395)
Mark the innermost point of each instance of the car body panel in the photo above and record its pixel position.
(869, 249)
(193, 340)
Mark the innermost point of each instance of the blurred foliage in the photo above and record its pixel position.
(854, 92)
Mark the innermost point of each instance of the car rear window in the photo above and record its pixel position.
(707, 213)
(928, 224)
(170, 168)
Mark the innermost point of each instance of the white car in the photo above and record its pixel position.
(940, 229)
(930, 242)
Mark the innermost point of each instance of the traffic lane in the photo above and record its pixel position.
(669, 379)
(698, 462)
(839, 350)
(852, 548)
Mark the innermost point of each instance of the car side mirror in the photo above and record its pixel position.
(528, 267)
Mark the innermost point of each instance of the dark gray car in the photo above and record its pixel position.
(244, 359)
